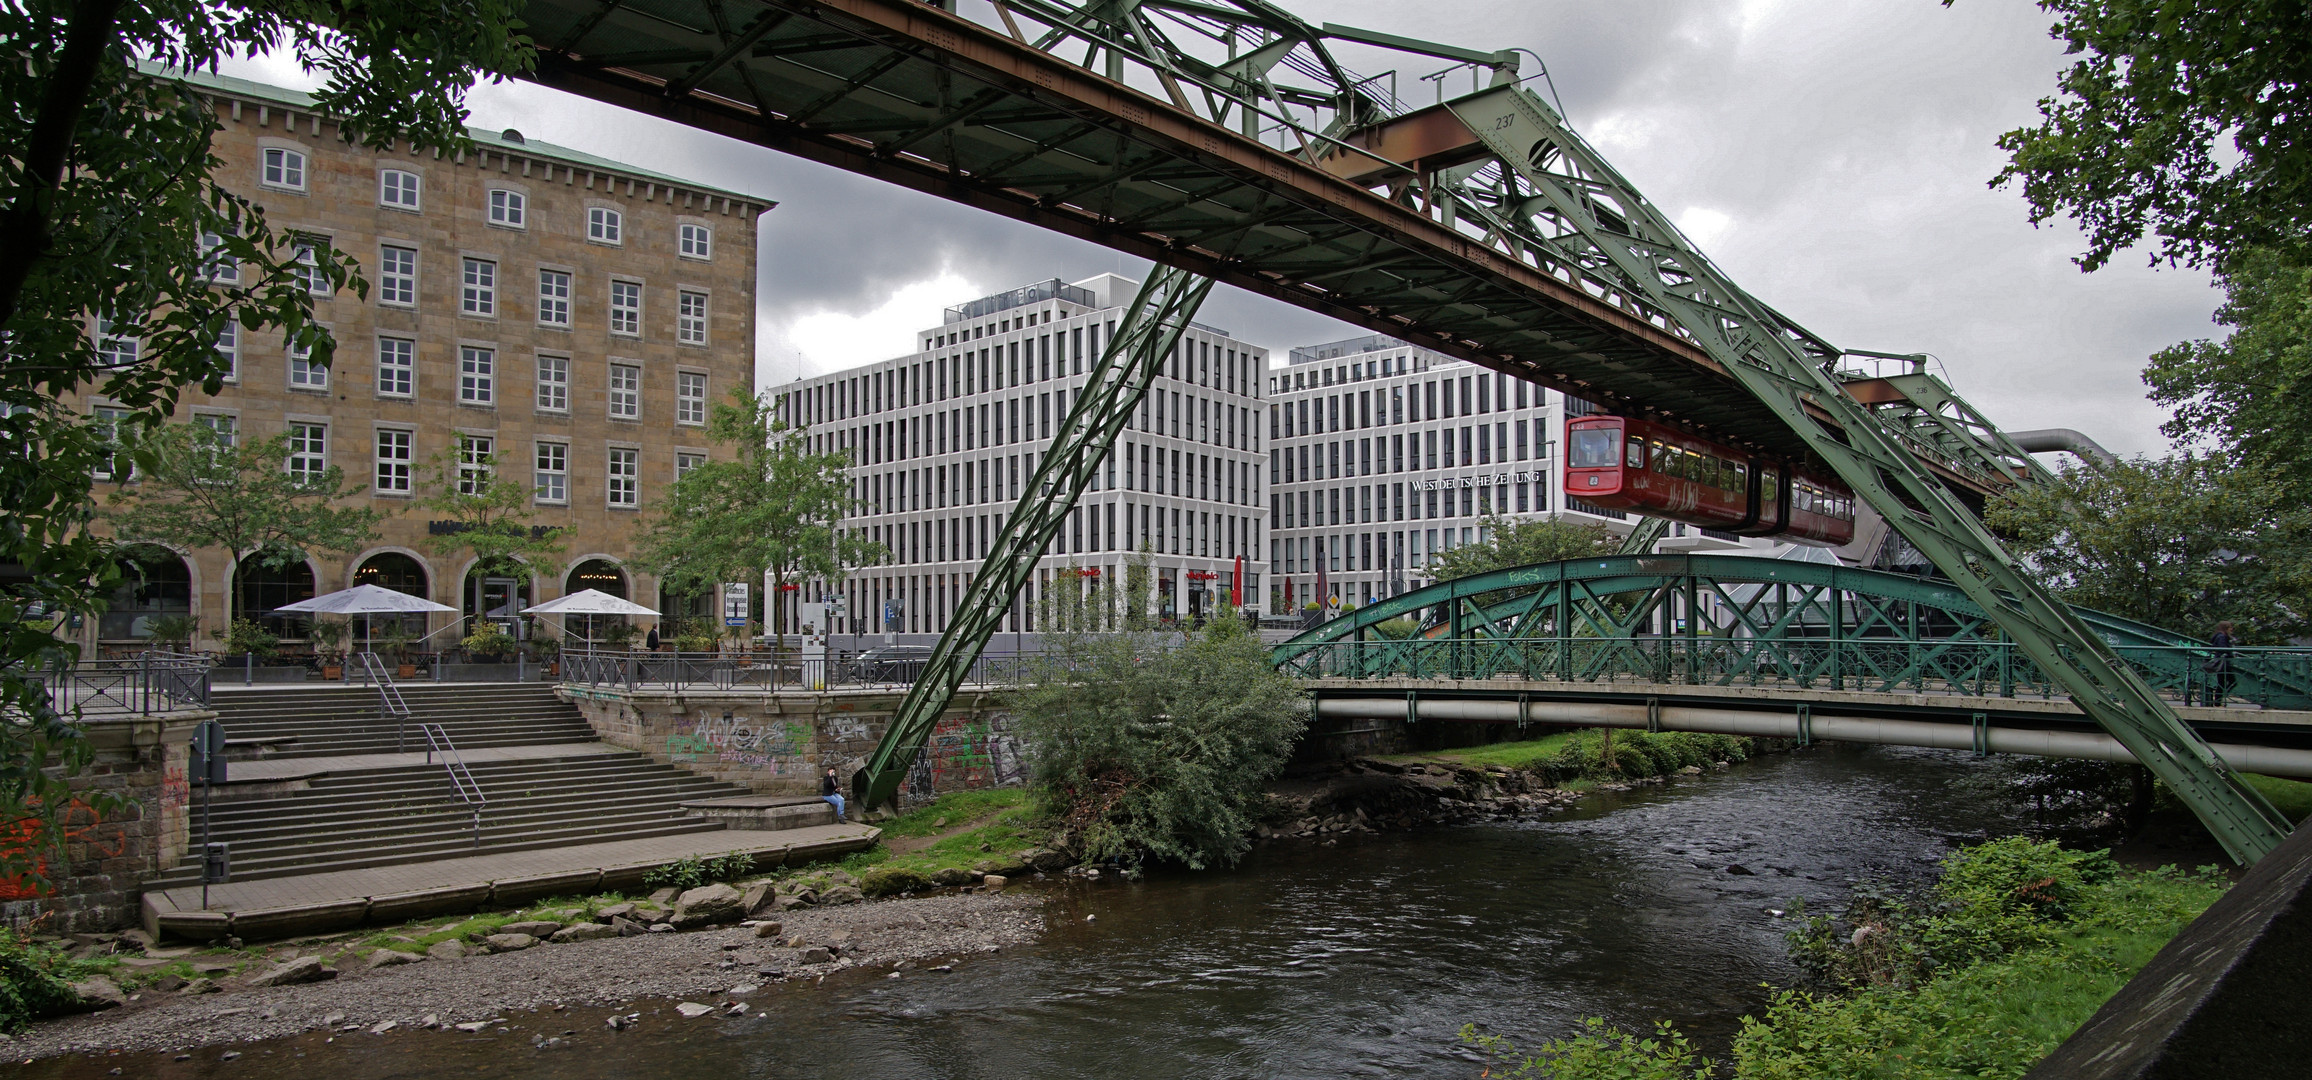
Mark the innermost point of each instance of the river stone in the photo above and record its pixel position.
(760, 895)
(816, 955)
(447, 950)
(1045, 859)
(1001, 867)
(769, 929)
(498, 943)
(537, 928)
(994, 881)
(842, 894)
(392, 958)
(625, 927)
(951, 876)
(662, 897)
(790, 901)
(585, 931)
(613, 913)
(693, 1009)
(304, 969)
(200, 985)
(708, 905)
(98, 992)
(648, 913)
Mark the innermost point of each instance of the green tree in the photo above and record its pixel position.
(2250, 395)
(1154, 752)
(2182, 542)
(1522, 543)
(2188, 118)
(489, 511)
(776, 507)
(107, 190)
(195, 490)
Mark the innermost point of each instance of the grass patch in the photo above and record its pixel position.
(1570, 758)
(1529, 754)
(951, 809)
(2292, 797)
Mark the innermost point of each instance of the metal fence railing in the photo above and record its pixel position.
(2279, 678)
(140, 685)
(837, 670)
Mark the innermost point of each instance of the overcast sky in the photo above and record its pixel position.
(1831, 155)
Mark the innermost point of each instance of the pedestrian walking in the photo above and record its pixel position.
(831, 790)
(2219, 665)
(650, 640)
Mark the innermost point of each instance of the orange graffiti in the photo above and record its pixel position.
(18, 839)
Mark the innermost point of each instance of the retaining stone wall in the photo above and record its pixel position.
(96, 885)
(779, 743)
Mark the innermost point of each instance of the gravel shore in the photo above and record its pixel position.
(706, 965)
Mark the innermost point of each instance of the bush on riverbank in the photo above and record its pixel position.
(36, 981)
(2016, 945)
(1573, 758)
(1146, 752)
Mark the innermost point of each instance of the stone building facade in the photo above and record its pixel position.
(575, 316)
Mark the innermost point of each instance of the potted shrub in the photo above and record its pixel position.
(394, 642)
(620, 634)
(549, 653)
(697, 636)
(248, 638)
(488, 644)
(175, 631)
(329, 647)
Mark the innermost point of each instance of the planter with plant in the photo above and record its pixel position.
(174, 632)
(488, 644)
(697, 636)
(329, 647)
(548, 650)
(249, 639)
(392, 643)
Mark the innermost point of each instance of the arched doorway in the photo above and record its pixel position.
(258, 589)
(402, 574)
(155, 585)
(497, 598)
(603, 576)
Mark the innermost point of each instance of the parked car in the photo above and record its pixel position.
(891, 663)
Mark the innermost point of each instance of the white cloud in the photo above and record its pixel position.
(1703, 225)
(826, 340)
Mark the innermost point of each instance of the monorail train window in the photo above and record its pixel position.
(1634, 454)
(1593, 447)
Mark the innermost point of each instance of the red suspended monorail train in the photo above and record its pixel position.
(1659, 471)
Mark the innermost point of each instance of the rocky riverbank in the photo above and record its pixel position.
(1366, 795)
(583, 971)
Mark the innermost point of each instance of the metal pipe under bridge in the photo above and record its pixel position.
(1768, 647)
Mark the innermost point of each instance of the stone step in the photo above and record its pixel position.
(361, 815)
(453, 847)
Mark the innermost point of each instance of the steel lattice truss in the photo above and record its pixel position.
(1226, 138)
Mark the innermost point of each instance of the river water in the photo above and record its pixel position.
(1362, 959)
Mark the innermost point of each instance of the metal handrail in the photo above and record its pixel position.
(634, 670)
(151, 682)
(389, 702)
(469, 791)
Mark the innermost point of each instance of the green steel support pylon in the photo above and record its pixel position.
(1644, 535)
(1119, 380)
(1597, 221)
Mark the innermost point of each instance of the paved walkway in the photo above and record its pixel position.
(275, 770)
(286, 906)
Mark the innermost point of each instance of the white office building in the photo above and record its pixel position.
(943, 439)
(1384, 454)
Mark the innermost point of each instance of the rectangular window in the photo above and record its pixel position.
(397, 188)
(306, 265)
(116, 464)
(304, 374)
(626, 308)
(397, 275)
(477, 375)
(625, 392)
(553, 472)
(478, 295)
(554, 383)
(394, 455)
(218, 264)
(229, 349)
(115, 350)
(308, 452)
(690, 397)
(603, 224)
(225, 429)
(690, 318)
(396, 367)
(684, 463)
(474, 463)
(697, 242)
(508, 208)
(553, 298)
(284, 168)
(625, 482)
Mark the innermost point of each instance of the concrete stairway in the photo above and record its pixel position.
(409, 813)
(294, 722)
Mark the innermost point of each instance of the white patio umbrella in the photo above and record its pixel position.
(587, 602)
(364, 600)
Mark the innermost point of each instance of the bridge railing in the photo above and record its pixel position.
(837, 670)
(147, 683)
(2273, 678)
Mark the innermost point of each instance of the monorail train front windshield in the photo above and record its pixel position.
(1596, 447)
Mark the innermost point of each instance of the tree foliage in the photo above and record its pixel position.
(2188, 118)
(2182, 542)
(1523, 543)
(775, 507)
(489, 511)
(194, 490)
(2250, 395)
(1155, 752)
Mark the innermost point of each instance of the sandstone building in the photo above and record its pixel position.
(576, 316)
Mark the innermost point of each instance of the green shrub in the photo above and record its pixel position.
(248, 637)
(35, 981)
(1601, 1051)
(690, 871)
(892, 880)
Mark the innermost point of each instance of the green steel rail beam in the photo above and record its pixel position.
(1644, 535)
(1598, 216)
(1119, 380)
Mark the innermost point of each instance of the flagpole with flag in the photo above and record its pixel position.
(1236, 586)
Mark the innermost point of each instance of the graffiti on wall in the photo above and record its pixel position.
(770, 745)
(967, 751)
(20, 845)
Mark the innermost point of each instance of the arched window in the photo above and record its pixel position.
(601, 575)
(403, 574)
(155, 583)
(258, 589)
